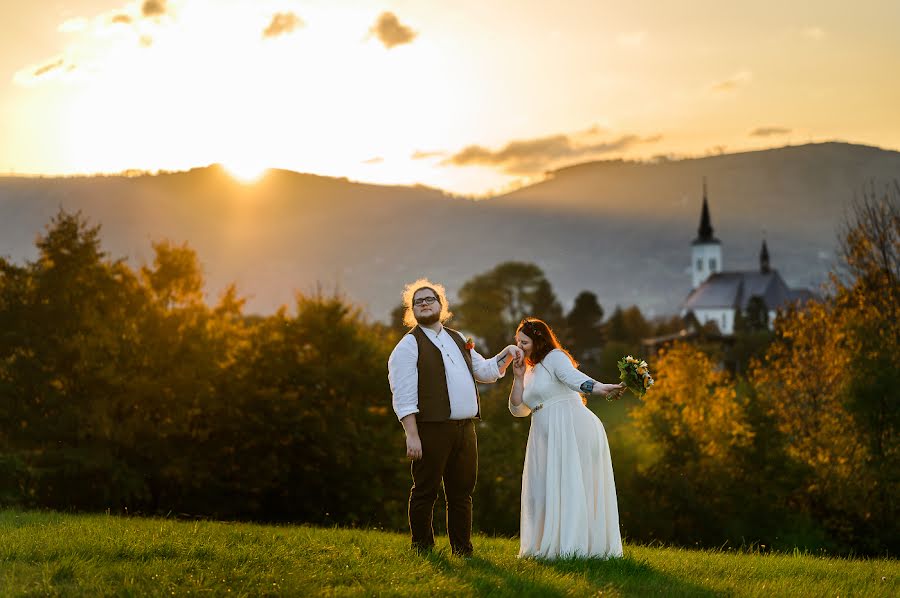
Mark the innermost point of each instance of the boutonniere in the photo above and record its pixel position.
(470, 344)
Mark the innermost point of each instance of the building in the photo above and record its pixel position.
(718, 295)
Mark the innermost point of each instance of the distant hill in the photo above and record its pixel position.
(620, 229)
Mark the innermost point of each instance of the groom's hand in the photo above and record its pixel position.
(414, 447)
(515, 352)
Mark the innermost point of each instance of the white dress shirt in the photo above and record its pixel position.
(403, 374)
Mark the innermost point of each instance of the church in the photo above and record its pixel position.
(717, 295)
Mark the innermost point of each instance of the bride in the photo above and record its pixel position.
(568, 492)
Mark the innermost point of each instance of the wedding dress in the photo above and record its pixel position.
(568, 493)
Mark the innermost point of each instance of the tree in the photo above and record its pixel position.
(584, 324)
(830, 377)
(493, 303)
(693, 428)
(751, 335)
(628, 326)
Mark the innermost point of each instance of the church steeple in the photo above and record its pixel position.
(764, 259)
(706, 250)
(705, 232)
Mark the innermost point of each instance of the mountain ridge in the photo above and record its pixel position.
(619, 229)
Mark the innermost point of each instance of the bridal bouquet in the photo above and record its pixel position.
(636, 375)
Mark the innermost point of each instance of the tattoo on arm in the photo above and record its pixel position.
(501, 359)
(587, 387)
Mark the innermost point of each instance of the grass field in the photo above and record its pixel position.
(52, 554)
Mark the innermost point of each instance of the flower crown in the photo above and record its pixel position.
(531, 329)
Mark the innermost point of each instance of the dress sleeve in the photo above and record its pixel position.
(519, 411)
(561, 367)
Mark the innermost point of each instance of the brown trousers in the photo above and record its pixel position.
(449, 455)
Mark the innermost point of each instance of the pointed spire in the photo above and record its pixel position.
(764, 259)
(705, 232)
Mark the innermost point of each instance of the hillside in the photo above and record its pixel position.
(49, 554)
(620, 229)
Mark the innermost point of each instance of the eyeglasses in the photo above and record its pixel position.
(425, 300)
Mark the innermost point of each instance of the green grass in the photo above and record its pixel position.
(52, 554)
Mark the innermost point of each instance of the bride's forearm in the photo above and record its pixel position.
(515, 393)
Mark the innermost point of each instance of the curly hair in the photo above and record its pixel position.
(414, 287)
(544, 340)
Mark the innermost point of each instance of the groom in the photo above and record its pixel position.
(432, 372)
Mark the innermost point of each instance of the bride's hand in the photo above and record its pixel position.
(515, 352)
(612, 391)
(519, 367)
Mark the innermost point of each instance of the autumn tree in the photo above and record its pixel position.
(830, 381)
(693, 428)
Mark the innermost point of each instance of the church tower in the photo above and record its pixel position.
(706, 250)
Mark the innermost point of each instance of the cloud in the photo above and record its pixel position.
(74, 25)
(632, 40)
(815, 33)
(283, 23)
(423, 155)
(122, 19)
(732, 83)
(391, 32)
(769, 131)
(375, 160)
(47, 68)
(153, 8)
(532, 156)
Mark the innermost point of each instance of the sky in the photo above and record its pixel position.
(471, 96)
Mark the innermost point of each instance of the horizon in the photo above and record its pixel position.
(392, 93)
(257, 177)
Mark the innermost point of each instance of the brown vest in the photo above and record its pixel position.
(434, 398)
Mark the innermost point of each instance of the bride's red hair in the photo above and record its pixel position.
(544, 340)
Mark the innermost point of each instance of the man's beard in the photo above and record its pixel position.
(428, 320)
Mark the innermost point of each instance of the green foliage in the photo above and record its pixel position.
(492, 304)
(124, 390)
(584, 326)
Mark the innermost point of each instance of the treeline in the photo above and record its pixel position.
(121, 389)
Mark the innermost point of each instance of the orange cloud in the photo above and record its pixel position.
(732, 83)
(769, 131)
(153, 8)
(283, 23)
(422, 155)
(391, 32)
(531, 156)
(48, 67)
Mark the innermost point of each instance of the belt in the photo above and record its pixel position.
(555, 399)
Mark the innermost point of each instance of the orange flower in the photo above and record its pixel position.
(470, 344)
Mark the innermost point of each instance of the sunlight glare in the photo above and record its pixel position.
(246, 172)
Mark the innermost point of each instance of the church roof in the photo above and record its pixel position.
(724, 290)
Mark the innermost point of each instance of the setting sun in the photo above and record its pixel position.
(246, 172)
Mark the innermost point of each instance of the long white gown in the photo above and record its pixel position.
(568, 493)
